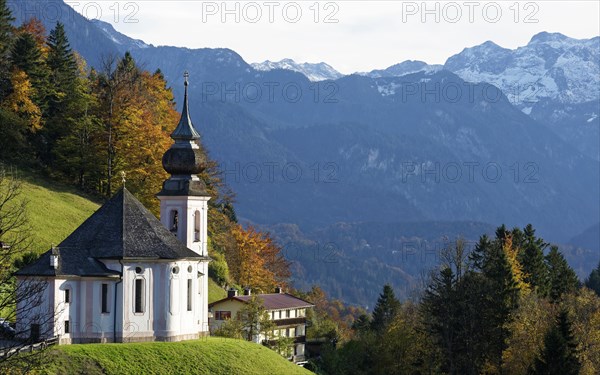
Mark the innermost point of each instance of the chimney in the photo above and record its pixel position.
(54, 258)
(232, 292)
(278, 290)
(247, 291)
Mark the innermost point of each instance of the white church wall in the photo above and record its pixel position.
(35, 307)
(165, 314)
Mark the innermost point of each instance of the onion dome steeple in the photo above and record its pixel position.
(185, 159)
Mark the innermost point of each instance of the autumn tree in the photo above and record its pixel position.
(21, 101)
(584, 312)
(257, 261)
(137, 112)
(531, 321)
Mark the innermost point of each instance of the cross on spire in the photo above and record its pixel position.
(186, 75)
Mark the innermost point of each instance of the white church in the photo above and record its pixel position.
(123, 275)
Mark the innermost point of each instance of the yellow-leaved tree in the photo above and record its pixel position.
(20, 102)
(256, 261)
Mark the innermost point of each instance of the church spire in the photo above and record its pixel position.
(185, 159)
(185, 129)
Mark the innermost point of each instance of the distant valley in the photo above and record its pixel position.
(360, 168)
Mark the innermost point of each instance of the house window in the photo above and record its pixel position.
(67, 295)
(197, 226)
(189, 295)
(67, 327)
(287, 313)
(222, 315)
(139, 296)
(174, 221)
(104, 298)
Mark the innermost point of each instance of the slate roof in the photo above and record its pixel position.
(122, 228)
(274, 301)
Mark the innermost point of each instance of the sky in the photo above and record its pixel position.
(350, 35)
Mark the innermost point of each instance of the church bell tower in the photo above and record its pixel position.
(183, 198)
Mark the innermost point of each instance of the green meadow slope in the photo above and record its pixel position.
(214, 356)
(55, 210)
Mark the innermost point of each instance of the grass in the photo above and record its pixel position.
(215, 292)
(215, 356)
(54, 210)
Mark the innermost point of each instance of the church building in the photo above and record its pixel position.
(123, 275)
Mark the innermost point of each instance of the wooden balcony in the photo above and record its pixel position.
(290, 321)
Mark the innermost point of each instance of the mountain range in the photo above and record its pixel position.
(414, 152)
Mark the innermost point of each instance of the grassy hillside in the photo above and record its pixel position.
(213, 356)
(55, 210)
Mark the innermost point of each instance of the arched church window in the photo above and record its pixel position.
(174, 221)
(197, 226)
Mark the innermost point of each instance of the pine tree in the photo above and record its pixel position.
(255, 319)
(26, 55)
(559, 356)
(6, 42)
(561, 276)
(63, 105)
(500, 296)
(385, 310)
(439, 308)
(532, 259)
(593, 281)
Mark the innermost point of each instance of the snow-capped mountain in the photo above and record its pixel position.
(404, 68)
(551, 66)
(118, 38)
(554, 79)
(314, 72)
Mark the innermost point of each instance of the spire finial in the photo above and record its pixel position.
(185, 130)
(123, 175)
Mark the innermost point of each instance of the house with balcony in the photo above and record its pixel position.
(285, 310)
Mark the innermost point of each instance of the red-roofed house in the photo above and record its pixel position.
(288, 313)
